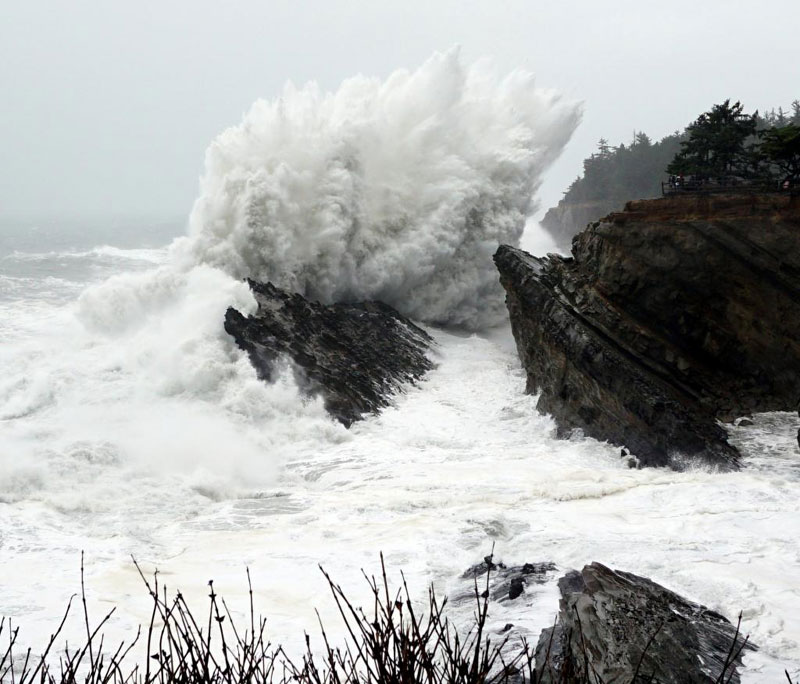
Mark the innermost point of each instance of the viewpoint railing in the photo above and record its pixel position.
(679, 186)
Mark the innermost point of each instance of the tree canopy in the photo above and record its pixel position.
(725, 142)
(722, 143)
(781, 148)
(715, 145)
(617, 174)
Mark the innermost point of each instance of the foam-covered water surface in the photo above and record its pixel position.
(460, 462)
(132, 425)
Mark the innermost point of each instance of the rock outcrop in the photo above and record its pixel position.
(625, 628)
(506, 583)
(671, 315)
(567, 219)
(355, 355)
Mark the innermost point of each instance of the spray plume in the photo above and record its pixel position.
(397, 190)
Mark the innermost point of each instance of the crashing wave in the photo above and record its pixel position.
(397, 190)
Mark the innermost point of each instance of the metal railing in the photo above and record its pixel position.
(680, 186)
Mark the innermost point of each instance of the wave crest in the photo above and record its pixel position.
(397, 190)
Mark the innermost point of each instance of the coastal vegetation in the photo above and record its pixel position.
(722, 143)
(389, 642)
(727, 145)
(393, 641)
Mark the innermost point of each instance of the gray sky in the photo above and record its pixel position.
(107, 106)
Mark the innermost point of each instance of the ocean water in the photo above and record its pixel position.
(111, 444)
(131, 426)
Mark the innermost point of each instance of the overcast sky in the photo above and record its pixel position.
(107, 107)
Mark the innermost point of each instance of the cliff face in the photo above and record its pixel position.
(670, 315)
(567, 219)
(355, 355)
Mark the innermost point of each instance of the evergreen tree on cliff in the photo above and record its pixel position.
(611, 176)
(720, 143)
(716, 143)
(781, 147)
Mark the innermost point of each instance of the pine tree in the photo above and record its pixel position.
(716, 144)
(781, 147)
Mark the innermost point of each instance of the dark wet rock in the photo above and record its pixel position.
(609, 620)
(355, 355)
(505, 583)
(480, 569)
(670, 316)
(745, 422)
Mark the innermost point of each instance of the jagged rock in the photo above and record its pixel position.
(670, 316)
(610, 620)
(355, 355)
(505, 583)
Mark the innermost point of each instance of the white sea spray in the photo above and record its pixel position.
(398, 190)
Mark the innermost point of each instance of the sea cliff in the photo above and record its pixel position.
(670, 316)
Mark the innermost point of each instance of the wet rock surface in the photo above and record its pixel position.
(355, 355)
(624, 628)
(506, 583)
(669, 317)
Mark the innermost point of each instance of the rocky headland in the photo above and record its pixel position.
(355, 355)
(670, 316)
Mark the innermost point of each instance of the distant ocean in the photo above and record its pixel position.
(36, 255)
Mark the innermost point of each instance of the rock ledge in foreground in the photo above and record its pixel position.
(355, 355)
(607, 620)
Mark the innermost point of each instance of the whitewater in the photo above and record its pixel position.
(132, 426)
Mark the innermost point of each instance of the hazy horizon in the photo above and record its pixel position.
(109, 109)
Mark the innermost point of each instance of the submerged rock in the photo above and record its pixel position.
(506, 583)
(670, 316)
(620, 626)
(355, 355)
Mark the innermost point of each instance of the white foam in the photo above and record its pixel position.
(130, 423)
(153, 256)
(235, 473)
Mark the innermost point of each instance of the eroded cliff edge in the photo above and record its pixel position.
(670, 315)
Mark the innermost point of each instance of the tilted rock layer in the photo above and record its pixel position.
(355, 355)
(615, 626)
(671, 315)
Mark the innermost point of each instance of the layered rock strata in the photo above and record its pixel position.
(615, 626)
(670, 316)
(355, 355)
